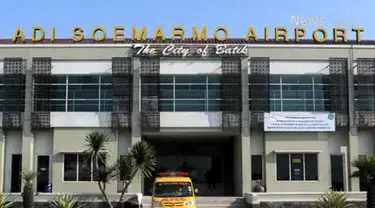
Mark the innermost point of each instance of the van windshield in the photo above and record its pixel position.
(173, 189)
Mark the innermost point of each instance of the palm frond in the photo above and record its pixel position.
(333, 199)
(64, 201)
(105, 174)
(4, 202)
(125, 167)
(144, 156)
(95, 147)
(29, 176)
(366, 167)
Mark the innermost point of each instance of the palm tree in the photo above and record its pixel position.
(28, 189)
(65, 201)
(365, 165)
(4, 202)
(333, 199)
(141, 160)
(96, 144)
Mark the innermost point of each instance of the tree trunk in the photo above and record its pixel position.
(28, 196)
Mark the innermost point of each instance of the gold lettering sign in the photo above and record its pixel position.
(221, 34)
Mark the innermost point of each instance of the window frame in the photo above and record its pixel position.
(77, 169)
(174, 99)
(67, 100)
(262, 169)
(280, 83)
(303, 165)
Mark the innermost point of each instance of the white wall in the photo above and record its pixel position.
(257, 143)
(13, 145)
(336, 140)
(81, 119)
(365, 143)
(192, 66)
(124, 143)
(81, 67)
(190, 119)
(1, 66)
(299, 67)
(43, 146)
(1, 118)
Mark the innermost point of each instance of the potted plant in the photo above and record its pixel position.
(260, 187)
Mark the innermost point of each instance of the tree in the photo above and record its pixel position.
(28, 189)
(140, 160)
(365, 165)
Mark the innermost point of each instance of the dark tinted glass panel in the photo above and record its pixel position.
(58, 91)
(84, 172)
(296, 166)
(300, 79)
(105, 91)
(297, 91)
(282, 166)
(190, 91)
(166, 105)
(274, 78)
(83, 92)
(83, 105)
(190, 105)
(86, 79)
(311, 167)
(214, 79)
(256, 167)
(318, 79)
(214, 105)
(58, 105)
(61, 79)
(275, 105)
(214, 92)
(199, 79)
(106, 79)
(70, 167)
(298, 105)
(166, 79)
(166, 91)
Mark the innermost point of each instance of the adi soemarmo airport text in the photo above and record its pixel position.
(320, 35)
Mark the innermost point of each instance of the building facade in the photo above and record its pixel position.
(206, 113)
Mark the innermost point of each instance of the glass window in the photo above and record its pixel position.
(298, 105)
(297, 167)
(106, 79)
(282, 165)
(83, 92)
(256, 167)
(58, 105)
(311, 164)
(275, 79)
(106, 92)
(58, 79)
(70, 167)
(275, 105)
(58, 91)
(83, 105)
(297, 79)
(190, 105)
(190, 93)
(106, 105)
(84, 173)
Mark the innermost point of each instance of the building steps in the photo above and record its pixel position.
(209, 202)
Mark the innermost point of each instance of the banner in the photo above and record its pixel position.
(299, 121)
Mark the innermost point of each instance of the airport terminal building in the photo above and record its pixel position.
(292, 115)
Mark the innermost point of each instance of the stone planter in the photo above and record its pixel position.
(259, 188)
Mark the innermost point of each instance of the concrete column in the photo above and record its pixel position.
(353, 131)
(136, 186)
(344, 153)
(245, 129)
(2, 159)
(27, 134)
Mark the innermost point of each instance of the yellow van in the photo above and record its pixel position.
(175, 190)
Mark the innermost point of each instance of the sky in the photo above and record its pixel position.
(236, 15)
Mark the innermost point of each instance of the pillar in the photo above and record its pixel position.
(136, 186)
(245, 129)
(353, 130)
(27, 134)
(2, 159)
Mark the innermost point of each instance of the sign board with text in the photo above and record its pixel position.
(299, 122)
